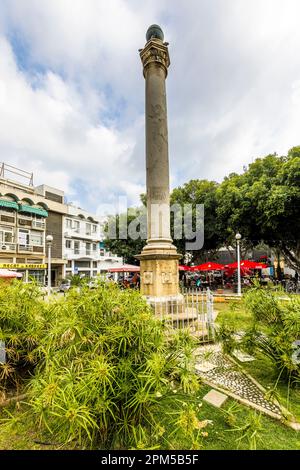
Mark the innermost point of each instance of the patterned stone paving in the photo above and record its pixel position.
(227, 375)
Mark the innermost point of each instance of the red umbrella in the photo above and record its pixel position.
(248, 264)
(209, 266)
(125, 268)
(185, 268)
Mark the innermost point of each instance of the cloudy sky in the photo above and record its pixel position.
(72, 90)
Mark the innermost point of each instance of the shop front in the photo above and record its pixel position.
(30, 271)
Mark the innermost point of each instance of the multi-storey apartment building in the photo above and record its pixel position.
(83, 247)
(28, 214)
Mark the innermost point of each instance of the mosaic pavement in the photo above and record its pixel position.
(213, 366)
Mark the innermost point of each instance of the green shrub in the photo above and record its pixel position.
(225, 334)
(277, 328)
(111, 378)
(23, 322)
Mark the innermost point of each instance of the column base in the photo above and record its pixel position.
(159, 271)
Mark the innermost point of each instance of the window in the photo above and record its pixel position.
(23, 237)
(94, 246)
(6, 235)
(94, 264)
(82, 264)
(76, 226)
(68, 223)
(69, 244)
(38, 276)
(76, 248)
(88, 248)
(88, 229)
(94, 228)
(36, 238)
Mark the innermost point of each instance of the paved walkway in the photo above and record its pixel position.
(219, 371)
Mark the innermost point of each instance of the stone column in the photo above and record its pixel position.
(159, 258)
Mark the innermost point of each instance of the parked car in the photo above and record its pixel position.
(64, 286)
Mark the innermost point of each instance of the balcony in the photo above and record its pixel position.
(29, 222)
(8, 247)
(78, 233)
(31, 249)
(78, 254)
(39, 224)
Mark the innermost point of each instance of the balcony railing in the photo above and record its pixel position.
(79, 233)
(38, 224)
(27, 221)
(31, 248)
(7, 247)
(25, 248)
(69, 254)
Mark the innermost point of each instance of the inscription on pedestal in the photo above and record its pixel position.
(148, 277)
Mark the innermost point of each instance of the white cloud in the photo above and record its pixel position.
(72, 95)
(49, 130)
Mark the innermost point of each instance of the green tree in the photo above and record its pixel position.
(116, 241)
(200, 192)
(263, 204)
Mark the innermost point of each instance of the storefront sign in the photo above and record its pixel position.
(22, 266)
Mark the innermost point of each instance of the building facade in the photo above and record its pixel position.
(28, 214)
(83, 247)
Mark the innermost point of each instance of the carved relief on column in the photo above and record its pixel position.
(148, 277)
(167, 277)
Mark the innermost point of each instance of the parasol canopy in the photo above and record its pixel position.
(209, 266)
(7, 274)
(247, 264)
(125, 268)
(186, 268)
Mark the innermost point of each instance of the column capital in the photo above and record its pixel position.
(155, 52)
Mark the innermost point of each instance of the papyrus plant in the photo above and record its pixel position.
(23, 321)
(110, 378)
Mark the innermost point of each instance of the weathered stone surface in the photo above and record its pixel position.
(205, 366)
(294, 425)
(242, 357)
(215, 398)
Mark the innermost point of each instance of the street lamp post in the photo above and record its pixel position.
(238, 238)
(49, 240)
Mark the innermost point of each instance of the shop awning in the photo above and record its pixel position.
(10, 204)
(33, 210)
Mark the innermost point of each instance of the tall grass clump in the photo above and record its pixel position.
(276, 330)
(110, 377)
(23, 321)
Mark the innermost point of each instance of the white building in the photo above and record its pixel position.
(82, 244)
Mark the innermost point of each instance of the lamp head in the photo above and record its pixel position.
(238, 236)
(49, 239)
